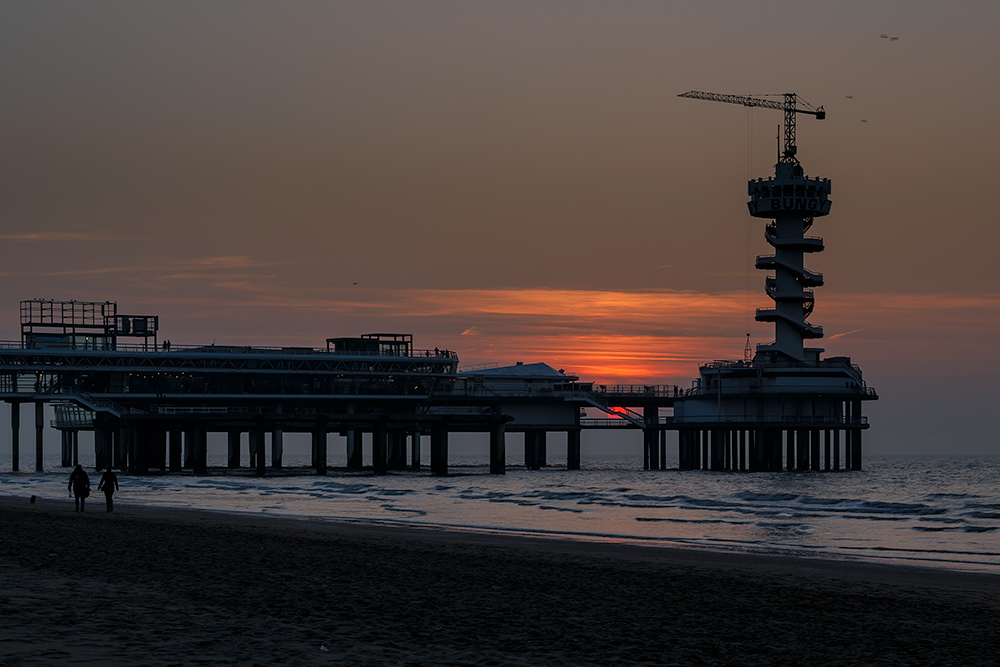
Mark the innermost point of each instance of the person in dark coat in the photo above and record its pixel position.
(108, 484)
(79, 486)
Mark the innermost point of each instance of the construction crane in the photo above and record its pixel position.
(790, 106)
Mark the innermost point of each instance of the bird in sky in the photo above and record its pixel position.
(893, 39)
(850, 97)
(864, 120)
(885, 36)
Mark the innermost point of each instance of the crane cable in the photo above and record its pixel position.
(746, 351)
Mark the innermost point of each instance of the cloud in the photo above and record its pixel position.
(845, 333)
(229, 262)
(177, 270)
(30, 237)
(471, 331)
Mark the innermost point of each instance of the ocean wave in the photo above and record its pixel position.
(956, 529)
(692, 521)
(560, 509)
(797, 527)
(766, 497)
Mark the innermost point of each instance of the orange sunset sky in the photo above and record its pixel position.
(516, 181)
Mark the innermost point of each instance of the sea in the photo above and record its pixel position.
(931, 511)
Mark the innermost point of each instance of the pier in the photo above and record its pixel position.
(151, 405)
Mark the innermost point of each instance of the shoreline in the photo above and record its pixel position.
(638, 541)
(538, 541)
(163, 586)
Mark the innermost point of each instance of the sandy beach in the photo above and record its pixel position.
(148, 586)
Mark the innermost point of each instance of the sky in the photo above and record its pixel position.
(516, 181)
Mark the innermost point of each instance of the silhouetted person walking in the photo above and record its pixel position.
(79, 486)
(108, 484)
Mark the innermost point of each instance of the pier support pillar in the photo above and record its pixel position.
(278, 448)
(15, 435)
(439, 449)
(836, 450)
(415, 450)
(681, 449)
(175, 438)
(257, 449)
(39, 432)
(233, 449)
(380, 458)
(397, 450)
(498, 449)
(573, 457)
(855, 436)
(119, 449)
(848, 439)
(141, 444)
(703, 435)
(189, 446)
(788, 455)
(530, 455)
(718, 449)
(826, 449)
(814, 457)
(802, 449)
(651, 449)
(856, 439)
(103, 440)
(573, 449)
(76, 446)
(159, 449)
(742, 450)
(663, 450)
(727, 449)
(255, 446)
(319, 446)
(774, 449)
(755, 460)
(355, 449)
(199, 462)
(127, 437)
(66, 449)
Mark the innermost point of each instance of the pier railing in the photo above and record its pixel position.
(770, 419)
(640, 390)
(784, 420)
(235, 349)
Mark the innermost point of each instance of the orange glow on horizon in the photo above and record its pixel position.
(604, 336)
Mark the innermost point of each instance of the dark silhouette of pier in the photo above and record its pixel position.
(151, 406)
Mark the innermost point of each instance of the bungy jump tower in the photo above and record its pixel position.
(786, 408)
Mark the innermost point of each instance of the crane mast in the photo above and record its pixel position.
(790, 105)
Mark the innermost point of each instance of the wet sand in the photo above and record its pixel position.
(152, 586)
